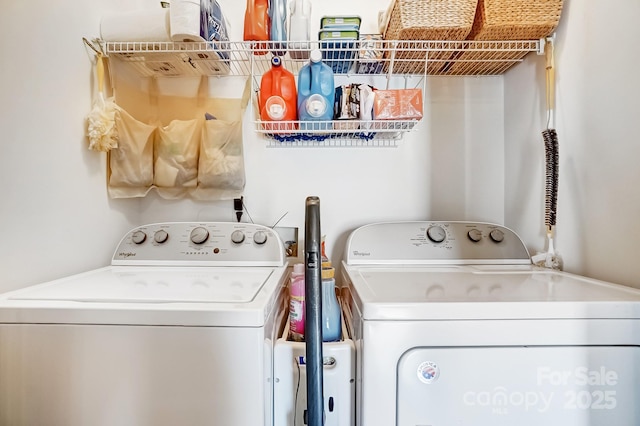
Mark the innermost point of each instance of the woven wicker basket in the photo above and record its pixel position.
(515, 19)
(431, 19)
(506, 20)
(428, 20)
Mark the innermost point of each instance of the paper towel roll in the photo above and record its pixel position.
(138, 25)
(185, 21)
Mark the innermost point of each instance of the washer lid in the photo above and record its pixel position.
(207, 296)
(486, 292)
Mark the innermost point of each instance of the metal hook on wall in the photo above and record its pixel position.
(92, 46)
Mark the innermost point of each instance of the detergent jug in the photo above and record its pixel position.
(316, 93)
(257, 25)
(278, 29)
(296, 303)
(331, 317)
(278, 97)
(299, 29)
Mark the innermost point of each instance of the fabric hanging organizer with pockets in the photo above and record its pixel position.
(181, 146)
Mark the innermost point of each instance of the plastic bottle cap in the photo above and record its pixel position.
(328, 273)
(276, 107)
(316, 56)
(276, 61)
(298, 268)
(316, 105)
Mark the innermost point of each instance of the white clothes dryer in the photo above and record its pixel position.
(179, 330)
(454, 326)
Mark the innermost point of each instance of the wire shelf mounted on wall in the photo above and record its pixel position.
(390, 57)
(370, 56)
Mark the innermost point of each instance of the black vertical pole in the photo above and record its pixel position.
(313, 312)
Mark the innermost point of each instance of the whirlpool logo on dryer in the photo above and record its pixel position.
(360, 253)
(126, 254)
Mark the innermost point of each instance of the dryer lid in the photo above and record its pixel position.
(486, 292)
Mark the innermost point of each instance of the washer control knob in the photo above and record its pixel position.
(161, 236)
(199, 235)
(436, 233)
(475, 235)
(237, 236)
(260, 237)
(497, 235)
(138, 237)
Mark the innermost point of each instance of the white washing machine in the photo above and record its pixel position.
(179, 330)
(454, 326)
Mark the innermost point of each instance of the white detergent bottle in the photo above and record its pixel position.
(299, 29)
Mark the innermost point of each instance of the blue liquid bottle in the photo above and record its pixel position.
(316, 94)
(331, 317)
(278, 30)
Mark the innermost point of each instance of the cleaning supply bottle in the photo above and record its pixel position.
(323, 254)
(257, 25)
(316, 93)
(331, 325)
(278, 97)
(296, 303)
(278, 28)
(299, 29)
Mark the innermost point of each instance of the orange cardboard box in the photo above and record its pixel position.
(400, 104)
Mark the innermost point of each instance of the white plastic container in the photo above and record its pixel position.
(299, 29)
(290, 381)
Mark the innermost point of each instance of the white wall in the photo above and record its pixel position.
(55, 216)
(457, 164)
(597, 121)
(437, 172)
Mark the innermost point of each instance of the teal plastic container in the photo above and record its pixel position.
(316, 94)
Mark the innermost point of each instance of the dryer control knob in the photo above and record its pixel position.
(475, 235)
(161, 236)
(138, 237)
(497, 235)
(260, 237)
(436, 233)
(237, 236)
(199, 235)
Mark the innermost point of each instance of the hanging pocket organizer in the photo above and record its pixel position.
(181, 154)
(221, 164)
(175, 168)
(131, 163)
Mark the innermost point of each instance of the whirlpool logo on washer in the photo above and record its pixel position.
(126, 254)
(360, 253)
(428, 372)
